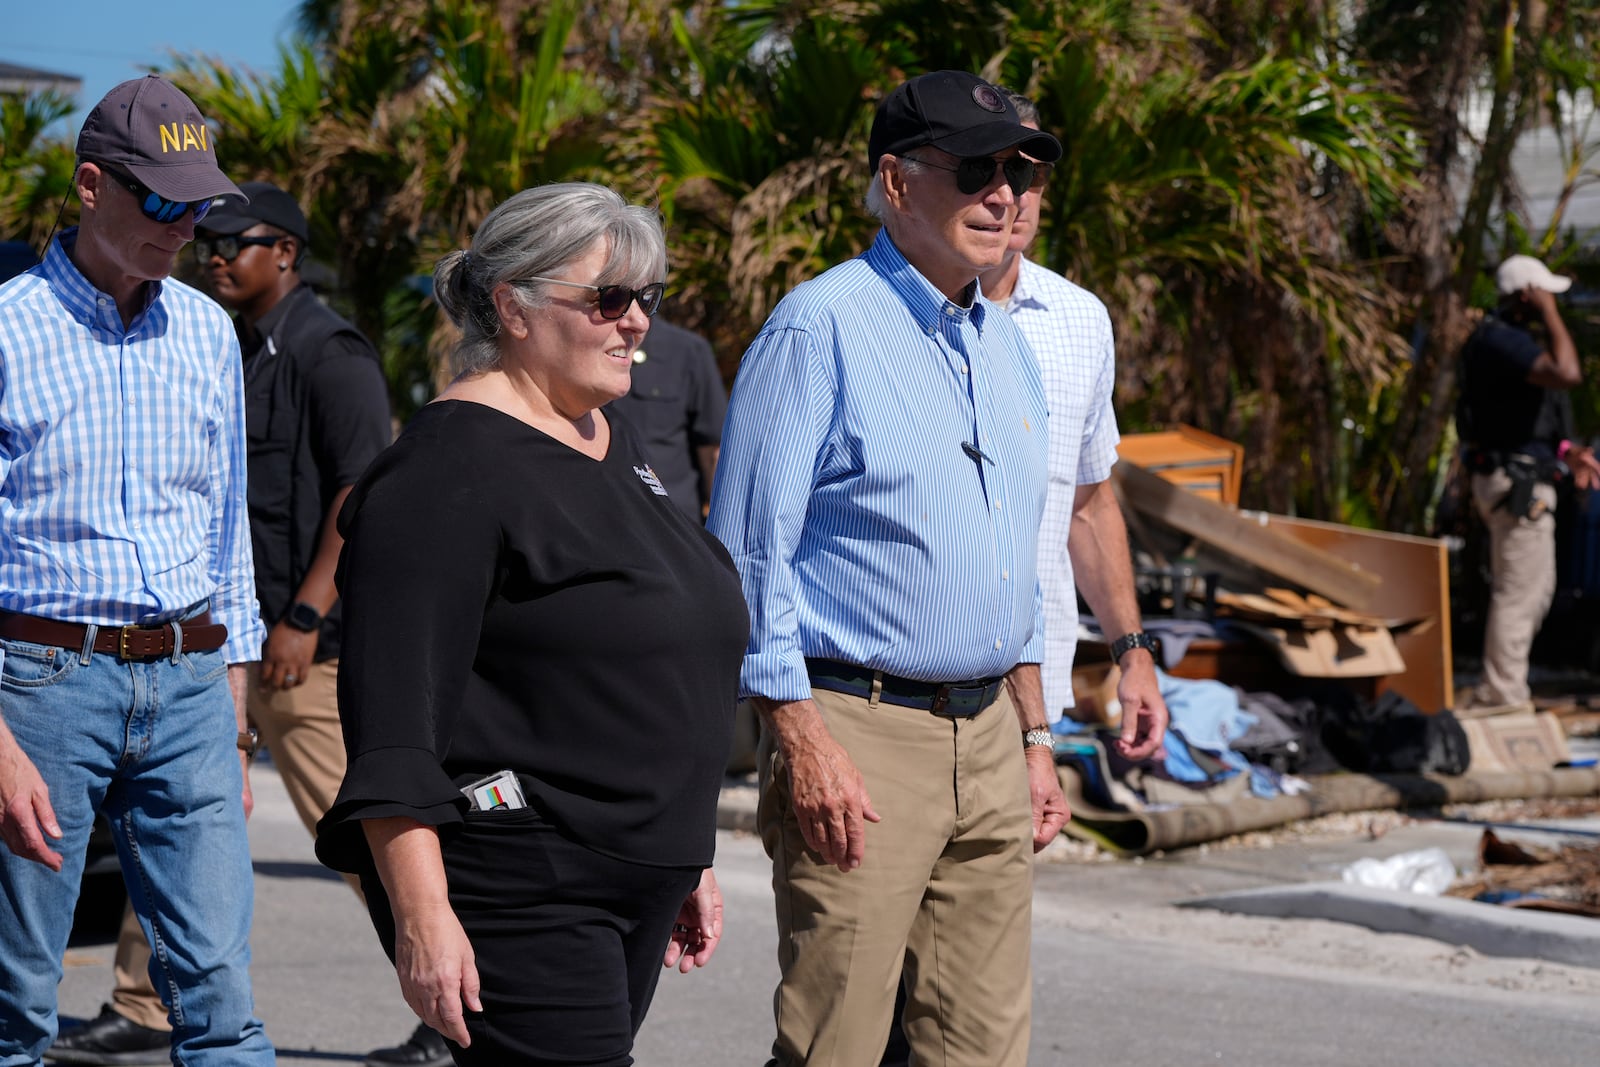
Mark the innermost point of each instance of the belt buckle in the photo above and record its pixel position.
(124, 652)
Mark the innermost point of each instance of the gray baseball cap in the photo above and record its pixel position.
(148, 127)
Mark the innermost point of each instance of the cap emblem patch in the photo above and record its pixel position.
(989, 98)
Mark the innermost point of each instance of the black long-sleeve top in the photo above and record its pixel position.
(512, 603)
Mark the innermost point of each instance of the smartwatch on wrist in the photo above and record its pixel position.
(1128, 642)
(303, 617)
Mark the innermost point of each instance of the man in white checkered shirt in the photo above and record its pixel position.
(1071, 337)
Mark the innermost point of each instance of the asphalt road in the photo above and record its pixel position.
(1121, 976)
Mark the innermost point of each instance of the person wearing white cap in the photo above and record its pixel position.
(1514, 418)
(127, 591)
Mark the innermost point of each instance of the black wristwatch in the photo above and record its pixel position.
(1128, 642)
(303, 616)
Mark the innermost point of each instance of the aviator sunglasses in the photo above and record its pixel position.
(156, 207)
(227, 247)
(615, 300)
(974, 174)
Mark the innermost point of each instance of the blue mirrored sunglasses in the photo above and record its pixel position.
(156, 207)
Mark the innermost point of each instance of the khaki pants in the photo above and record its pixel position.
(301, 728)
(1523, 568)
(945, 889)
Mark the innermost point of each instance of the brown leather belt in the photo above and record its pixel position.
(200, 634)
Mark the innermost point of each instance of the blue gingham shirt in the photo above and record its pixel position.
(122, 456)
(861, 529)
(1070, 333)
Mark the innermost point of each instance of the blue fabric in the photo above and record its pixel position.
(122, 456)
(862, 529)
(1207, 715)
(152, 744)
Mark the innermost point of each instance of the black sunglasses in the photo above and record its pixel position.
(974, 174)
(228, 248)
(1041, 175)
(615, 300)
(156, 207)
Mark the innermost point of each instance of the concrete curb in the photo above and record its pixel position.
(1487, 928)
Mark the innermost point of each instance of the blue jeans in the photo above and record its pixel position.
(152, 746)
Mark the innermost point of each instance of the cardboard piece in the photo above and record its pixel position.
(1532, 741)
(1094, 693)
(1338, 650)
(1415, 574)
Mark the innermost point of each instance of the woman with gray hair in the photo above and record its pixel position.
(540, 660)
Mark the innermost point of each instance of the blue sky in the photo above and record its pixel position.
(108, 41)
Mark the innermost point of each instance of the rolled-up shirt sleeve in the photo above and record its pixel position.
(418, 567)
(773, 441)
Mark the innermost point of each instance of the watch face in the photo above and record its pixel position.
(303, 617)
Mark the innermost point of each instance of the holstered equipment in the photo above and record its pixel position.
(1525, 471)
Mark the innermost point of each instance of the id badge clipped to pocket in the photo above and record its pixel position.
(500, 791)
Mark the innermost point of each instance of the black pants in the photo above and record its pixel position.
(568, 942)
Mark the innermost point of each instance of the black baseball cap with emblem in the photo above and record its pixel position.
(150, 128)
(268, 204)
(957, 112)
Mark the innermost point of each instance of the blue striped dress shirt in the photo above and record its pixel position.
(122, 456)
(862, 527)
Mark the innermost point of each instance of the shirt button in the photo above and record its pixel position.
(1005, 576)
(998, 505)
(964, 369)
(997, 643)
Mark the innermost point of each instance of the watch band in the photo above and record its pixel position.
(249, 742)
(1039, 736)
(303, 617)
(1128, 642)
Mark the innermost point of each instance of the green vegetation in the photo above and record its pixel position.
(1284, 205)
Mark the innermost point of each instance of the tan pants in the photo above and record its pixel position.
(1523, 569)
(300, 726)
(945, 889)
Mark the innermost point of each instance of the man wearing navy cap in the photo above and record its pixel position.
(881, 482)
(127, 601)
(317, 411)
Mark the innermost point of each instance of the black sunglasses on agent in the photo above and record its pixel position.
(974, 174)
(227, 247)
(615, 300)
(156, 207)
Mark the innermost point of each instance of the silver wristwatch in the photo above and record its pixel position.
(1040, 736)
(1128, 642)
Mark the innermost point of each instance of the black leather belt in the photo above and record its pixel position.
(953, 700)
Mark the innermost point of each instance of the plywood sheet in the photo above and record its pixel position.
(1290, 558)
(1414, 583)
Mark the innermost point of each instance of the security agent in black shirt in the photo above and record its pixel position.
(1515, 418)
(676, 403)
